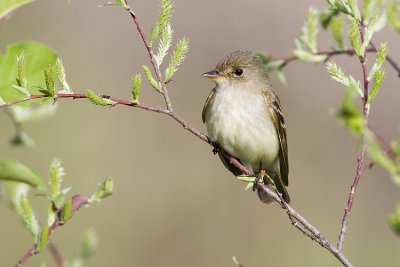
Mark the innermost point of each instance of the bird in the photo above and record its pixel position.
(243, 117)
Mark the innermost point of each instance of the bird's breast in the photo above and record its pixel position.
(241, 124)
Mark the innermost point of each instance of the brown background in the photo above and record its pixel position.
(174, 203)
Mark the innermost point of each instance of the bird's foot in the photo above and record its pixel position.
(216, 147)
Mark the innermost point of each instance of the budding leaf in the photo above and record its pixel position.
(349, 113)
(44, 238)
(21, 76)
(62, 77)
(393, 15)
(28, 217)
(56, 176)
(50, 89)
(381, 158)
(104, 190)
(97, 99)
(337, 32)
(136, 85)
(179, 54)
(394, 220)
(245, 178)
(326, 17)
(354, 36)
(380, 58)
(165, 44)
(66, 212)
(156, 85)
(308, 57)
(378, 78)
(167, 11)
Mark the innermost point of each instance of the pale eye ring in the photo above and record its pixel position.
(239, 72)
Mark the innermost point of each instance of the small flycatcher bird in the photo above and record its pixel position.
(244, 118)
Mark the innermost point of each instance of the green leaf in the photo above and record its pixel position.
(337, 32)
(11, 170)
(32, 114)
(67, 212)
(156, 85)
(349, 114)
(179, 54)
(394, 220)
(326, 16)
(337, 73)
(56, 175)
(136, 85)
(97, 99)
(154, 32)
(38, 57)
(245, 178)
(341, 6)
(309, 31)
(368, 33)
(104, 190)
(29, 218)
(87, 249)
(378, 78)
(89, 244)
(354, 37)
(167, 11)
(393, 10)
(48, 75)
(7, 6)
(380, 58)
(381, 158)
(281, 77)
(60, 70)
(370, 7)
(165, 44)
(21, 75)
(309, 57)
(354, 9)
(44, 238)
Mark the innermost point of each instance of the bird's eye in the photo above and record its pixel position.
(239, 72)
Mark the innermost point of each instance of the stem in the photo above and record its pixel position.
(360, 159)
(349, 52)
(32, 251)
(55, 252)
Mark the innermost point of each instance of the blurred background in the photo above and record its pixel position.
(174, 203)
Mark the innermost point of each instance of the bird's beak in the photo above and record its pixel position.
(212, 75)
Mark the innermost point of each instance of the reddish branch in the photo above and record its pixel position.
(360, 159)
(349, 52)
(33, 250)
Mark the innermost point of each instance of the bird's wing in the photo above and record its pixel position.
(203, 114)
(275, 109)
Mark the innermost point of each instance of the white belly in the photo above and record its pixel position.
(240, 123)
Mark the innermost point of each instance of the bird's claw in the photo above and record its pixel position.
(216, 147)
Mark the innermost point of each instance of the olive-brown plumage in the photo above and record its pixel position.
(244, 117)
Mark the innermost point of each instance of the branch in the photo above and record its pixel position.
(349, 52)
(77, 202)
(360, 159)
(33, 250)
(55, 252)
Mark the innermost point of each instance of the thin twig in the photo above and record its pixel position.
(33, 250)
(55, 252)
(360, 159)
(349, 52)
